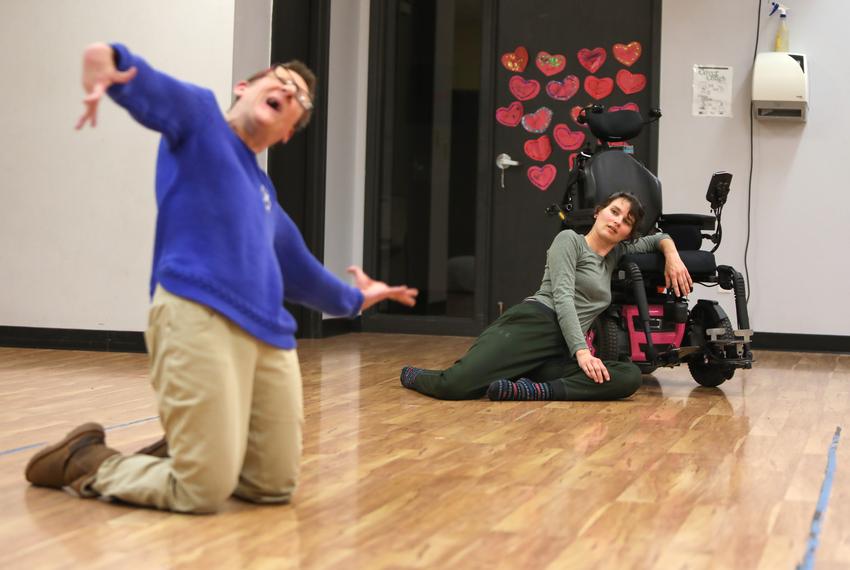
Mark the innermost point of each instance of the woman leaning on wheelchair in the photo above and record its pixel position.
(537, 350)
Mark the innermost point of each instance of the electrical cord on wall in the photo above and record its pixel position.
(750, 183)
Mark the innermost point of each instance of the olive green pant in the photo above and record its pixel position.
(526, 341)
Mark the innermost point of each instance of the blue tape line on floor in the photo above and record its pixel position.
(43, 443)
(817, 520)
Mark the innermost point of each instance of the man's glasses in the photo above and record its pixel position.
(285, 77)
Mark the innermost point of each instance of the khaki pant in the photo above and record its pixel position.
(232, 410)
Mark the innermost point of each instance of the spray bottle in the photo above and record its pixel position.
(781, 42)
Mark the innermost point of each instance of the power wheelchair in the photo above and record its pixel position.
(646, 323)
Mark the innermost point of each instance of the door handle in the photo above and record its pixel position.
(504, 161)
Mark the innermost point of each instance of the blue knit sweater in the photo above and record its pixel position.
(222, 239)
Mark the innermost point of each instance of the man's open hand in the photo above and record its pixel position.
(99, 73)
(377, 291)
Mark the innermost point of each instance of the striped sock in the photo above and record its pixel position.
(521, 390)
(408, 376)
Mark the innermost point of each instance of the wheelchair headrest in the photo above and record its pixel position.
(613, 171)
(614, 126)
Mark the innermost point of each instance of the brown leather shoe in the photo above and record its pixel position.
(86, 456)
(159, 448)
(72, 461)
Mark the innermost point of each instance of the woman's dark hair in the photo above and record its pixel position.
(636, 211)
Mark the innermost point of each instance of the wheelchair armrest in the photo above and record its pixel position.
(704, 221)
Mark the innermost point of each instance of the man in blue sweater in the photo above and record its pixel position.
(222, 346)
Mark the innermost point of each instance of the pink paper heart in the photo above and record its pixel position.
(626, 107)
(630, 82)
(627, 54)
(511, 115)
(567, 139)
(516, 60)
(538, 149)
(538, 121)
(574, 114)
(523, 89)
(599, 87)
(563, 90)
(542, 176)
(550, 63)
(592, 59)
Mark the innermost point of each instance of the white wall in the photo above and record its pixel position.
(800, 204)
(346, 144)
(77, 208)
(77, 211)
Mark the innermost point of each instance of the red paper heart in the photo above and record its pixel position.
(592, 59)
(538, 149)
(626, 107)
(538, 121)
(630, 82)
(599, 87)
(574, 114)
(523, 89)
(563, 90)
(542, 176)
(572, 159)
(550, 63)
(515, 60)
(511, 115)
(567, 139)
(627, 54)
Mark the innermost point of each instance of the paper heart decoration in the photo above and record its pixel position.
(538, 121)
(626, 107)
(511, 115)
(542, 176)
(550, 63)
(630, 82)
(599, 87)
(523, 89)
(563, 90)
(515, 60)
(567, 139)
(538, 149)
(574, 114)
(628, 53)
(592, 59)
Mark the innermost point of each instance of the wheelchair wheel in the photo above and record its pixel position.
(605, 339)
(705, 372)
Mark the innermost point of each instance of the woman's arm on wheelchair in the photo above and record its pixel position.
(675, 273)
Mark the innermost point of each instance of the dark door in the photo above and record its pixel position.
(454, 84)
(554, 57)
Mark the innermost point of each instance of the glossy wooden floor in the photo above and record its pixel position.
(676, 477)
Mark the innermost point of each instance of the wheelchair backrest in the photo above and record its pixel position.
(613, 171)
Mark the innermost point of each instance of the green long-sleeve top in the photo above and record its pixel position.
(577, 281)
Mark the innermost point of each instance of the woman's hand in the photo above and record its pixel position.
(377, 291)
(99, 73)
(676, 275)
(592, 366)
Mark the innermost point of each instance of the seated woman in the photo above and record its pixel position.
(537, 350)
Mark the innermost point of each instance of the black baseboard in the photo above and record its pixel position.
(335, 327)
(801, 342)
(72, 339)
(130, 341)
